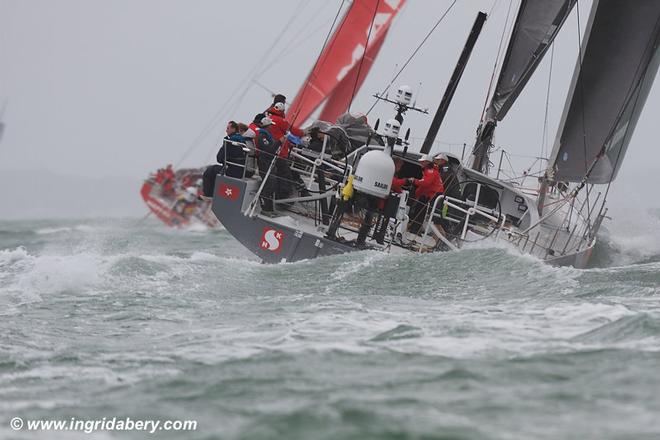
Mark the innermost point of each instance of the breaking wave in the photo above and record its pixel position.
(631, 237)
(640, 327)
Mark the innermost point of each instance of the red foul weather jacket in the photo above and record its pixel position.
(398, 184)
(429, 185)
(280, 127)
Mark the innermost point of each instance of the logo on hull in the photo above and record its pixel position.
(271, 240)
(230, 192)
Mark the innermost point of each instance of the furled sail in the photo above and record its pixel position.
(536, 27)
(610, 86)
(340, 60)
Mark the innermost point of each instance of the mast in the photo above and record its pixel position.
(453, 82)
(537, 24)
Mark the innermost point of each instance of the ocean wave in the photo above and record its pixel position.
(10, 256)
(31, 275)
(632, 237)
(637, 327)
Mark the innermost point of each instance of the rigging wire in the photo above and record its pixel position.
(492, 8)
(225, 108)
(297, 40)
(442, 17)
(364, 53)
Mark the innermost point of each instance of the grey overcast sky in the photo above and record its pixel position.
(115, 89)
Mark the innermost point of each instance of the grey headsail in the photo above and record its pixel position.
(536, 27)
(537, 24)
(610, 86)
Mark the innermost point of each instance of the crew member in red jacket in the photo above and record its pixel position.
(281, 127)
(169, 181)
(426, 189)
(398, 182)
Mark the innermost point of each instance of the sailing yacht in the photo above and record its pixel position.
(557, 220)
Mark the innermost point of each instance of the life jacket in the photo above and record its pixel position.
(266, 143)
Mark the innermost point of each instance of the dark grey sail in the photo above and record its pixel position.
(619, 63)
(536, 27)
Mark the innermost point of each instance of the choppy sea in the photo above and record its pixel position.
(117, 318)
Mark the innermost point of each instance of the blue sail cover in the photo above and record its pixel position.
(610, 87)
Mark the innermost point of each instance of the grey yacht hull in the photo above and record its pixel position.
(267, 238)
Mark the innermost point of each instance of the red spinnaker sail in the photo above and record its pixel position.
(334, 75)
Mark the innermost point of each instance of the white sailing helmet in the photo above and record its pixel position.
(191, 194)
(425, 158)
(441, 156)
(392, 127)
(404, 95)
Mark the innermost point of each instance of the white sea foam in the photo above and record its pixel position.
(30, 276)
(55, 273)
(10, 256)
(196, 227)
(203, 256)
(352, 267)
(77, 228)
(633, 233)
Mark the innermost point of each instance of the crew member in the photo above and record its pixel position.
(426, 188)
(231, 158)
(398, 182)
(168, 181)
(449, 179)
(186, 203)
(231, 155)
(281, 127)
(251, 159)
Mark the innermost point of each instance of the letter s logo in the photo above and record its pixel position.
(271, 240)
